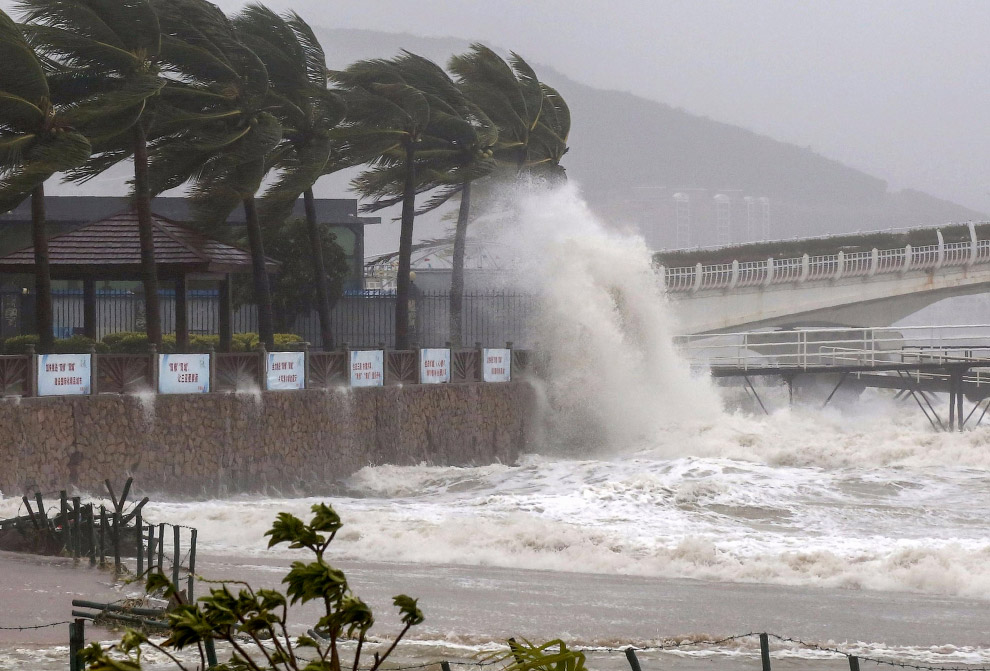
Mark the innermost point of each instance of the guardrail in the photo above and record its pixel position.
(802, 349)
(807, 268)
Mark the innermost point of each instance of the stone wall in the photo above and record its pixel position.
(215, 444)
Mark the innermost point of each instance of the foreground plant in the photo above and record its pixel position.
(254, 623)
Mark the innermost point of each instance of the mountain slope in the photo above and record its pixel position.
(631, 155)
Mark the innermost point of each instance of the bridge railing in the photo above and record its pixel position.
(802, 349)
(738, 274)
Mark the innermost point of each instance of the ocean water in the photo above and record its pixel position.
(646, 475)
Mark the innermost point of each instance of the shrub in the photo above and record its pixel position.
(257, 620)
(203, 343)
(135, 342)
(248, 342)
(18, 344)
(79, 344)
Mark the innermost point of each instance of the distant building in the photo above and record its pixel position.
(694, 217)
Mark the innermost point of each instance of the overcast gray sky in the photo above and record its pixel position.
(896, 88)
(900, 89)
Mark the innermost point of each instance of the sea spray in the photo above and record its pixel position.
(613, 376)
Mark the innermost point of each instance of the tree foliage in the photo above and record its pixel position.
(255, 623)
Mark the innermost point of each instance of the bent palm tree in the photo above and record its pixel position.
(385, 124)
(35, 143)
(108, 68)
(457, 150)
(548, 141)
(308, 112)
(225, 147)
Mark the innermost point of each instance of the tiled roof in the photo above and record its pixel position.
(113, 246)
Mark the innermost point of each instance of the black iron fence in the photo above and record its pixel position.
(365, 320)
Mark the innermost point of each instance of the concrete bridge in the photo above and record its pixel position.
(864, 288)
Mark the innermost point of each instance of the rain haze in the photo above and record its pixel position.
(896, 89)
(849, 116)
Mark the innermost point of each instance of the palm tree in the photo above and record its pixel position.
(457, 149)
(225, 149)
(308, 112)
(548, 141)
(386, 124)
(510, 94)
(35, 143)
(106, 56)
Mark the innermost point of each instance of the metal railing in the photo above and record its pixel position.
(802, 349)
(827, 266)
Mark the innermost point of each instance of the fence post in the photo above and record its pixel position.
(116, 543)
(151, 547)
(94, 366)
(633, 660)
(213, 367)
(175, 555)
(103, 536)
(153, 353)
(853, 663)
(263, 367)
(77, 526)
(32, 389)
(77, 641)
(192, 566)
(139, 533)
(161, 547)
(765, 651)
(211, 653)
(91, 535)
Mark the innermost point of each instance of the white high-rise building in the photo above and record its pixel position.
(765, 217)
(682, 218)
(723, 220)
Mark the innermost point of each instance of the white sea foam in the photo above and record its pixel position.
(644, 473)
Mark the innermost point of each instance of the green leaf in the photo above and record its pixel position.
(409, 611)
(316, 580)
(325, 519)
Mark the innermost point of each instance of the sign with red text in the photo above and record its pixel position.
(64, 374)
(496, 365)
(286, 370)
(434, 366)
(183, 373)
(367, 368)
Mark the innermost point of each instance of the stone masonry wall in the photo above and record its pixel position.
(216, 444)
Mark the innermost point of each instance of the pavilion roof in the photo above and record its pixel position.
(111, 249)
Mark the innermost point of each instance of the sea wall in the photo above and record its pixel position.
(217, 444)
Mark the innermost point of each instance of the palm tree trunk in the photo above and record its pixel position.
(457, 271)
(402, 339)
(149, 271)
(44, 319)
(262, 292)
(319, 269)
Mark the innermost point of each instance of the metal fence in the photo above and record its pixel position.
(365, 320)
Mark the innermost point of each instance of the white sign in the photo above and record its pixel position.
(434, 366)
(496, 365)
(183, 373)
(367, 368)
(286, 370)
(64, 374)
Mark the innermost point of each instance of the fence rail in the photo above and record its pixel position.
(366, 320)
(826, 266)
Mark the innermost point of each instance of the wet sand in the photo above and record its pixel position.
(474, 606)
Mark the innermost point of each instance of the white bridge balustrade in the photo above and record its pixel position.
(876, 287)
